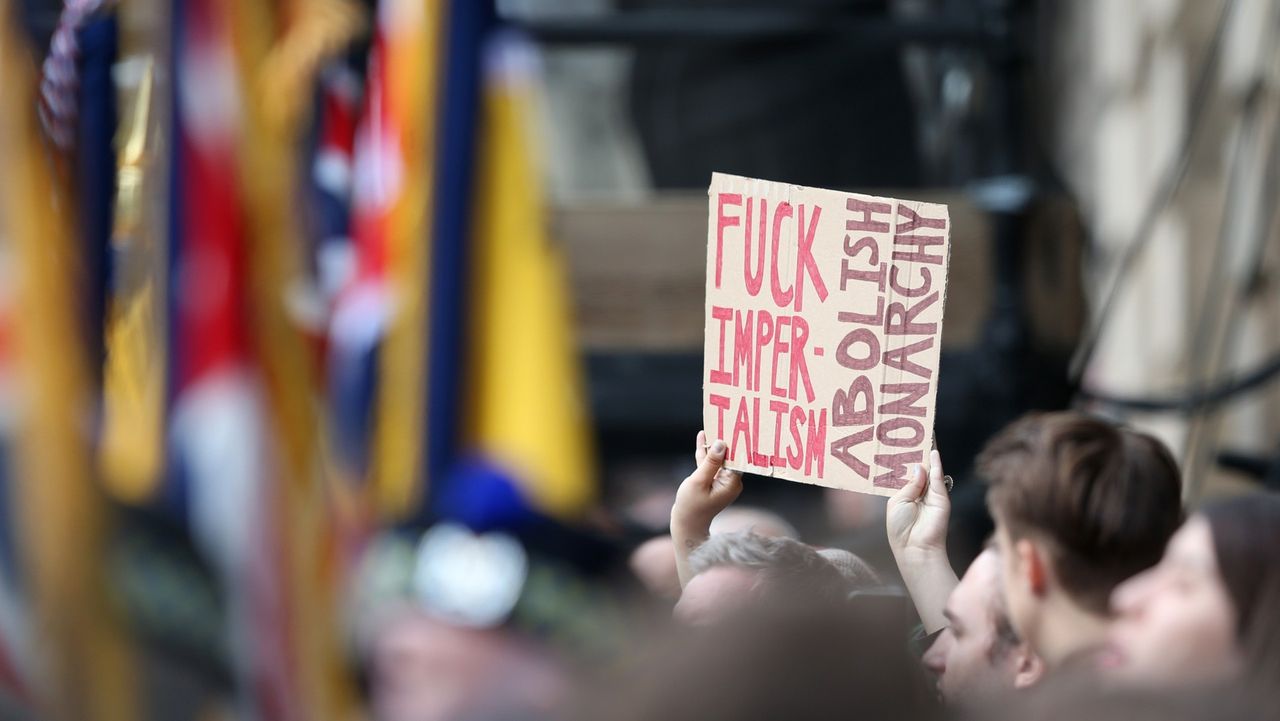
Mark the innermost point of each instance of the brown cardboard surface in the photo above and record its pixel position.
(822, 344)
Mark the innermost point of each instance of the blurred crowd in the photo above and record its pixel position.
(292, 426)
(1098, 596)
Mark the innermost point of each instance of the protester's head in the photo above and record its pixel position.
(1211, 609)
(731, 570)
(423, 669)
(979, 655)
(654, 564)
(759, 521)
(1080, 505)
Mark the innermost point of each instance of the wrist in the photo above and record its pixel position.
(690, 525)
(929, 579)
(923, 559)
(688, 531)
(692, 517)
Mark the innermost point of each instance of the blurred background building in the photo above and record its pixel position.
(344, 343)
(1119, 136)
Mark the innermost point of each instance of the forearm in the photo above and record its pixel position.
(930, 580)
(686, 536)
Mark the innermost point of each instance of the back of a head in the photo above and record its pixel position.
(1104, 499)
(858, 573)
(760, 521)
(1246, 540)
(786, 565)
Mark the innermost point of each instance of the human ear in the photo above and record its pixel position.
(1028, 668)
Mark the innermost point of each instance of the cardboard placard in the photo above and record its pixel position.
(823, 331)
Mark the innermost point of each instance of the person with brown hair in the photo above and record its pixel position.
(978, 655)
(1210, 611)
(975, 654)
(1080, 505)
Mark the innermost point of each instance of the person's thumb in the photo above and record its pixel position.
(716, 452)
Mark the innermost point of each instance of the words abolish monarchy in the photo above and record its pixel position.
(870, 301)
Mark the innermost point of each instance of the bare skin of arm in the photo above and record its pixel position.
(711, 488)
(916, 521)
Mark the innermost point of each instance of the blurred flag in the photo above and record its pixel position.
(213, 390)
(14, 635)
(13, 615)
(401, 148)
(375, 168)
(281, 48)
(245, 419)
(465, 25)
(218, 433)
(335, 257)
(136, 372)
(77, 659)
(331, 157)
(347, 374)
(363, 304)
(526, 410)
(215, 429)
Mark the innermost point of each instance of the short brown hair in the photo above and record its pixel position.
(1106, 499)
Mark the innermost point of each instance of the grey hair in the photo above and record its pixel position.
(859, 573)
(760, 521)
(785, 562)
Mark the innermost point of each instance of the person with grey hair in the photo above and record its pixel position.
(733, 570)
(726, 570)
(760, 521)
(654, 561)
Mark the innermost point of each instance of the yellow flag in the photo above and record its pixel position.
(527, 406)
(131, 450)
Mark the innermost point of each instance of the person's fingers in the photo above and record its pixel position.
(711, 463)
(724, 478)
(728, 485)
(700, 450)
(727, 477)
(912, 489)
